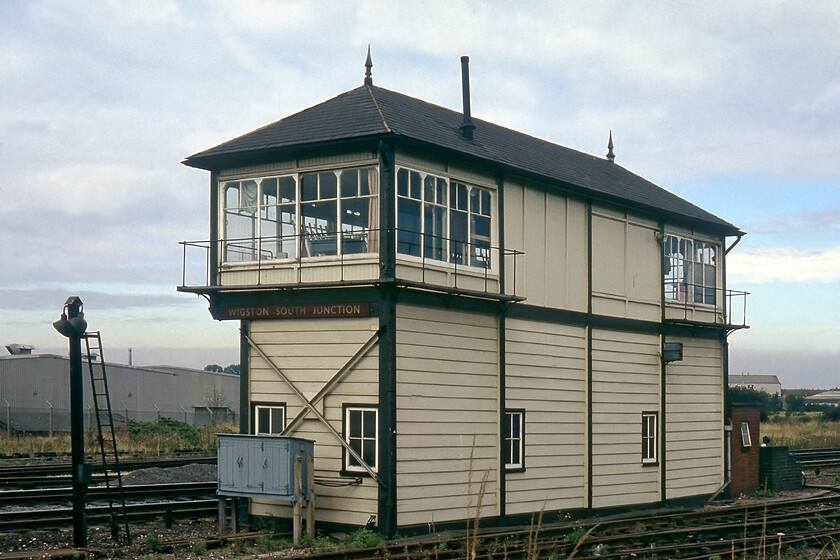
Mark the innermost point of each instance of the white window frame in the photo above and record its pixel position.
(273, 409)
(513, 438)
(470, 256)
(746, 440)
(650, 440)
(350, 464)
(290, 246)
(686, 277)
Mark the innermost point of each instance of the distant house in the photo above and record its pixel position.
(831, 397)
(770, 384)
(34, 393)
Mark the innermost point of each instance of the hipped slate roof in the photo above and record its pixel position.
(371, 112)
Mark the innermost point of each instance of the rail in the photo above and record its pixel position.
(205, 262)
(695, 299)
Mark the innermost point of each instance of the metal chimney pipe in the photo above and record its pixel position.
(467, 126)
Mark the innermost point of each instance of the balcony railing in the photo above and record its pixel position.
(459, 260)
(697, 302)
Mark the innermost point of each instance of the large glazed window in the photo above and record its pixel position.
(690, 270)
(334, 212)
(442, 219)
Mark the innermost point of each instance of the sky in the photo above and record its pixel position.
(734, 106)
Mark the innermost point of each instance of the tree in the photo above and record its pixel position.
(232, 368)
(214, 368)
(765, 401)
(795, 403)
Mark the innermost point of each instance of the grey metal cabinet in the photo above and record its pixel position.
(254, 466)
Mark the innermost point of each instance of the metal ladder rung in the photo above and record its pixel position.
(107, 440)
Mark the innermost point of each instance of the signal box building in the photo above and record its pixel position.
(464, 318)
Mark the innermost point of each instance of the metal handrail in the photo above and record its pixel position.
(298, 251)
(731, 305)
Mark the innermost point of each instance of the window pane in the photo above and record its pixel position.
(429, 188)
(349, 183)
(288, 189)
(480, 241)
(369, 454)
(232, 195)
(277, 420)
(354, 225)
(329, 185)
(415, 186)
(370, 424)
(355, 420)
(263, 419)
(364, 183)
(269, 192)
(402, 182)
(457, 237)
(249, 193)
(318, 220)
(434, 238)
(309, 186)
(408, 220)
(441, 191)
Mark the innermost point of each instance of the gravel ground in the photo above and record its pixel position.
(101, 536)
(145, 534)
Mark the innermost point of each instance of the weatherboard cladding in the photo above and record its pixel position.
(370, 111)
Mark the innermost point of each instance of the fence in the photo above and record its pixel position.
(19, 420)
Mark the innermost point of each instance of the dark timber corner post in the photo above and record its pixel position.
(387, 509)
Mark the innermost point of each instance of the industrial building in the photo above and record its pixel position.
(467, 320)
(770, 384)
(35, 393)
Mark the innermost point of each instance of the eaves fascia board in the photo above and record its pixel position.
(219, 162)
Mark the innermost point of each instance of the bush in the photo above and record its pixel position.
(177, 433)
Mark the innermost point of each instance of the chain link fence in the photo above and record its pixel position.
(22, 420)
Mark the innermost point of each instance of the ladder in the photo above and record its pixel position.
(107, 439)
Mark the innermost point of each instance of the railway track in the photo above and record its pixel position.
(813, 458)
(59, 474)
(38, 496)
(51, 518)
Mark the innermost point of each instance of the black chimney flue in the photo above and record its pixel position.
(467, 126)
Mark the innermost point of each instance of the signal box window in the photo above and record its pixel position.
(269, 419)
(361, 429)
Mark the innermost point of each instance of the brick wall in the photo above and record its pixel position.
(777, 470)
(745, 460)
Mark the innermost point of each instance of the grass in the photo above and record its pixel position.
(801, 431)
(163, 437)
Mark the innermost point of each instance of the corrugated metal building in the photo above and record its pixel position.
(35, 393)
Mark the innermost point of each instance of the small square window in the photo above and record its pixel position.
(269, 419)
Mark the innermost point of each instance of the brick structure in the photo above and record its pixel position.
(745, 454)
(778, 470)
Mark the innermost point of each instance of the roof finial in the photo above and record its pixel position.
(610, 154)
(368, 65)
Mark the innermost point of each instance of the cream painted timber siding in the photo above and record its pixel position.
(625, 383)
(447, 414)
(550, 230)
(546, 375)
(626, 266)
(694, 423)
(309, 352)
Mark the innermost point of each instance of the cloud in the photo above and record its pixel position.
(783, 264)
